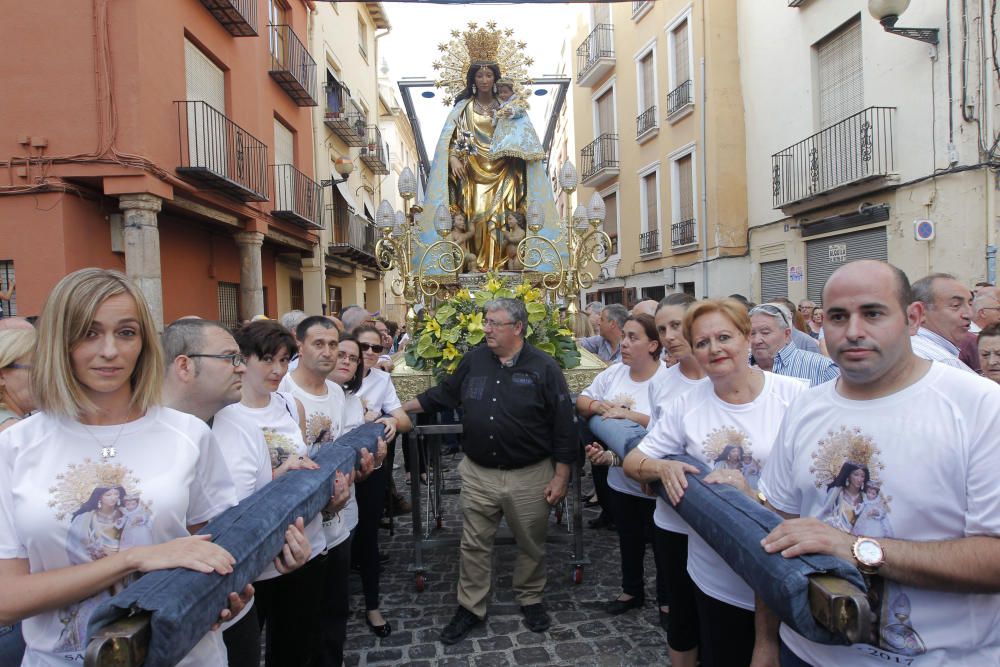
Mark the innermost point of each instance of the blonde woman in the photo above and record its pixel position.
(101, 435)
(16, 348)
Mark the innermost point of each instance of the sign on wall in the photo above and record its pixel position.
(838, 253)
(796, 274)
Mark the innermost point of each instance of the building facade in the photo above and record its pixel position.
(347, 129)
(172, 141)
(886, 147)
(658, 117)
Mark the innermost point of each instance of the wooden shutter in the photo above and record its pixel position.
(651, 221)
(681, 54)
(606, 112)
(685, 189)
(611, 219)
(647, 98)
(839, 72)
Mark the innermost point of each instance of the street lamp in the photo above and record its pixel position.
(887, 12)
(343, 166)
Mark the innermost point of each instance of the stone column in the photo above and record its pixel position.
(251, 274)
(141, 236)
(313, 285)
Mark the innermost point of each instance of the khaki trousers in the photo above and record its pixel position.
(519, 496)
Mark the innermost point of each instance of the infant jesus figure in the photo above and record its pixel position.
(461, 235)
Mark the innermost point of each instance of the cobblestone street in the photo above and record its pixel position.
(582, 634)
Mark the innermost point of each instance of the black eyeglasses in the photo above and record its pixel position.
(377, 349)
(236, 359)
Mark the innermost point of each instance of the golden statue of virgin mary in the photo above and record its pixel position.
(467, 175)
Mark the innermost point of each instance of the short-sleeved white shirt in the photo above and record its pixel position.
(254, 441)
(325, 421)
(615, 386)
(378, 393)
(674, 384)
(167, 474)
(929, 454)
(703, 426)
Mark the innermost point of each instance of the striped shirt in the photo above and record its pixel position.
(934, 347)
(793, 362)
(600, 346)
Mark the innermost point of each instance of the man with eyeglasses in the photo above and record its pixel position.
(771, 347)
(945, 307)
(985, 313)
(520, 441)
(204, 370)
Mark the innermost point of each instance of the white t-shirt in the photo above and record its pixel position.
(930, 454)
(254, 441)
(167, 474)
(615, 386)
(325, 421)
(378, 393)
(662, 393)
(723, 436)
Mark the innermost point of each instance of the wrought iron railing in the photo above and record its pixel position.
(600, 154)
(375, 153)
(220, 154)
(678, 98)
(638, 4)
(292, 66)
(682, 233)
(855, 149)
(343, 118)
(645, 121)
(352, 236)
(649, 242)
(599, 44)
(238, 17)
(296, 196)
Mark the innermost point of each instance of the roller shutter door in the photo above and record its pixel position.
(773, 280)
(826, 255)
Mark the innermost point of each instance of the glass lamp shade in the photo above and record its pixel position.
(343, 166)
(442, 220)
(580, 218)
(534, 216)
(568, 179)
(385, 217)
(880, 9)
(407, 183)
(596, 209)
(400, 219)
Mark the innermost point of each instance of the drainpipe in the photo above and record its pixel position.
(704, 185)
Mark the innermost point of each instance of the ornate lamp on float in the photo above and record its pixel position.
(400, 246)
(584, 243)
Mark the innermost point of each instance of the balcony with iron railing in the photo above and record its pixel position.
(599, 161)
(375, 153)
(297, 198)
(595, 57)
(352, 238)
(858, 149)
(679, 99)
(649, 242)
(238, 17)
(291, 65)
(218, 154)
(645, 124)
(343, 118)
(682, 234)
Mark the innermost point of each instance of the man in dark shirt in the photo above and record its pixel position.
(518, 419)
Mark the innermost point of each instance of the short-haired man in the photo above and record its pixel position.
(204, 371)
(518, 419)
(646, 306)
(607, 344)
(985, 313)
(892, 468)
(945, 312)
(772, 349)
(989, 352)
(354, 316)
(800, 339)
(323, 401)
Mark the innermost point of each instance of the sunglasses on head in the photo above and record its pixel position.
(377, 349)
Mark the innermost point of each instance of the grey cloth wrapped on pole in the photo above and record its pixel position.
(185, 603)
(734, 525)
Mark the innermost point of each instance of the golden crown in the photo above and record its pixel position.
(844, 446)
(487, 45)
(74, 487)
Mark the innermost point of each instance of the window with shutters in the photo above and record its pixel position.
(204, 81)
(277, 14)
(684, 219)
(605, 110)
(8, 308)
(679, 66)
(600, 13)
(773, 280)
(363, 37)
(647, 117)
(229, 304)
(296, 294)
(649, 205)
(611, 219)
(284, 178)
(840, 90)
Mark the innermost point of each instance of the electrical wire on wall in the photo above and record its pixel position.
(106, 151)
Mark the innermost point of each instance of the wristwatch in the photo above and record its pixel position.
(868, 555)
